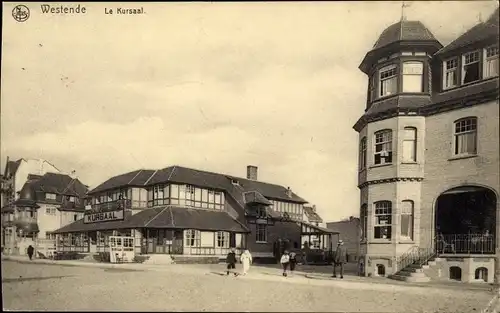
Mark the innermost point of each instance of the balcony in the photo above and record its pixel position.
(465, 244)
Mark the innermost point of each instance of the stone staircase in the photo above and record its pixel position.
(416, 265)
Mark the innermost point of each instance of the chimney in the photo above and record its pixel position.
(252, 172)
(289, 192)
(73, 174)
(314, 207)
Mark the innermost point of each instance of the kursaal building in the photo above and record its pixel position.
(429, 155)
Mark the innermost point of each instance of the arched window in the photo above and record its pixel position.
(383, 220)
(481, 273)
(410, 144)
(362, 154)
(407, 213)
(380, 270)
(465, 134)
(388, 84)
(383, 147)
(455, 273)
(413, 76)
(364, 221)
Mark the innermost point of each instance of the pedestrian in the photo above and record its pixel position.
(293, 261)
(246, 260)
(30, 251)
(340, 259)
(231, 262)
(285, 260)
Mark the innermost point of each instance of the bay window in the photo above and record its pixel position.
(413, 76)
(410, 144)
(193, 238)
(383, 220)
(388, 84)
(383, 147)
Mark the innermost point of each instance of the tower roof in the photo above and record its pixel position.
(404, 31)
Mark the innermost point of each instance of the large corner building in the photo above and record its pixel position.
(429, 154)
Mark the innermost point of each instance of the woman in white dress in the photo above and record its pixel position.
(246, 260)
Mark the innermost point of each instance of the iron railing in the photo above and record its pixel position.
(414, 256)
(465, 244)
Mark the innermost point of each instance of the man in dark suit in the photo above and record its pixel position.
(340, 259)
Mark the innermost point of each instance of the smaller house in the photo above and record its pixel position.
(350, 234)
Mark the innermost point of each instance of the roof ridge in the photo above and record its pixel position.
(152, 175)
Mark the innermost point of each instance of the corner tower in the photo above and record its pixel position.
(391, 136)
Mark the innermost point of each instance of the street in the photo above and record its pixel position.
(55, 287)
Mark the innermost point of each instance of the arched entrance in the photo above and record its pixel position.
(465, 221)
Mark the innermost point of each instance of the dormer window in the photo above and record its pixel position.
(470, 68)
(450, 73)
(388, 81)
(50, 196)
(490, 62)
(413, 76)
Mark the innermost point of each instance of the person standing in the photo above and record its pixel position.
(246, 260)
(231, 262)
(30, 251)
(340, 259)
(285, 261)
(293, 261)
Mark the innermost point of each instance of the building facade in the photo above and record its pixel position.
(350, 233)
(429, 152)
(45, 203)
(183, 211)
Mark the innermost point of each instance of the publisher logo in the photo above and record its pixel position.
(21, 13)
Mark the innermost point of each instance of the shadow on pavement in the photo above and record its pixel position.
(23, 279)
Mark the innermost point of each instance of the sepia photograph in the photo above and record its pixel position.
(260, 156)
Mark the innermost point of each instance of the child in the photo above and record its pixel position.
(231, 261)
(285, 260)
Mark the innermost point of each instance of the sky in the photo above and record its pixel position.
(212, 86)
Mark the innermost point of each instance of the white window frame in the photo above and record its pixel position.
(50, 196)
(392, 67)
(386, 143)
(410, 213)
(50, 211)
(363, 153)
(465, 63)
(421, 75)
(448, 69)
(382, 209)
(260, 233)
(466, 126)
(413, 158)
(490, 54)
(222, 240)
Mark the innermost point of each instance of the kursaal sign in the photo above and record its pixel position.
(116, 215)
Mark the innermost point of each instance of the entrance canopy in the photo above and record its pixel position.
(164, 217)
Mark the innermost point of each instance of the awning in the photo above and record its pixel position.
(310, 229)
(164, 217)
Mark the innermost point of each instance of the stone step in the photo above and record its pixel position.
(414, 269)
(410, 279)
(411, 274)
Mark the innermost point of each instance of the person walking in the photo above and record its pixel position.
(293, 261)
(30, 251)
(231, 262)
(340, 259)
(285, 261)
(246, 260)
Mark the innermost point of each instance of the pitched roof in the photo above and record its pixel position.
(404, 31)
(165, 217)
(134, 178)
(312, 216)
(477, 33)
(184, 175)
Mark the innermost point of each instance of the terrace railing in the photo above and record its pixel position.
(465, 244)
